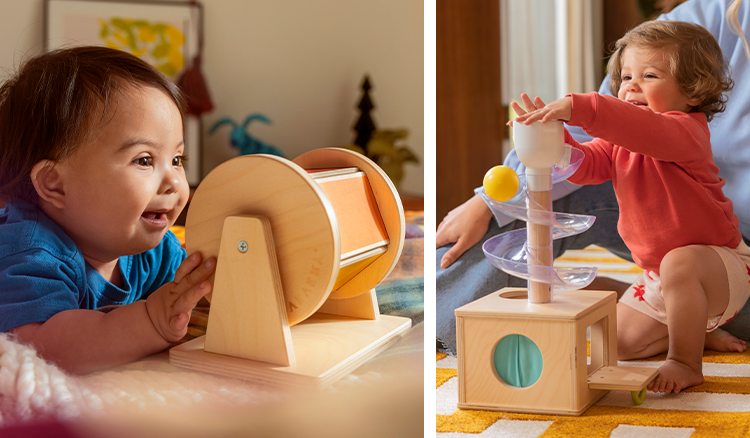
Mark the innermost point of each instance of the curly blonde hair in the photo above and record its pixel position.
(695, 61)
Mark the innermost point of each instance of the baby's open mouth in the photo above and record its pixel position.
(638, 103)
(154, 216)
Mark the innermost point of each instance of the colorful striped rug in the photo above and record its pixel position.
(609, 264)
(720, 407)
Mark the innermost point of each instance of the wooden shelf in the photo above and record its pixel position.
(412, 203)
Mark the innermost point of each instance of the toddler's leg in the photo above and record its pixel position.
(638, 335)
(695, 285)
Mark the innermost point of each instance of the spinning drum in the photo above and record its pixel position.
(270, 283)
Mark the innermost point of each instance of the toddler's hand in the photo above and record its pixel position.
(169, 306)
(561, 109)
(530, 106)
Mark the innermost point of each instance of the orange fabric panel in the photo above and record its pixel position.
(360, 224)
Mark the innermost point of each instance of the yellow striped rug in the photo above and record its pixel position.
(720, 407)
(609, 264)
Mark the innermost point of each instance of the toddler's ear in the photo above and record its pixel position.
(694, 101)
(48, 183)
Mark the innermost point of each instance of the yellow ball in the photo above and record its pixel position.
(501, 183)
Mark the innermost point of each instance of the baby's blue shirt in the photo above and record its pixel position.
(42, 272)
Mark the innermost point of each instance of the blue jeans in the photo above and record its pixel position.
(472, 276)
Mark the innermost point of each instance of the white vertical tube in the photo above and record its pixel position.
(539, 147)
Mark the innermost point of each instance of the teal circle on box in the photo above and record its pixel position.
(518, 361)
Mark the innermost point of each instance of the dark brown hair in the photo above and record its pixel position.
(56, 100)
(696, 61)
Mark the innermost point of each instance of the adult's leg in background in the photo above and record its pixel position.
(740, 325)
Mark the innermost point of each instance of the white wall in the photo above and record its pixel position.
(299, 62)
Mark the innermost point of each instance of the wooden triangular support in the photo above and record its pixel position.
(248, 318)
(364, 306)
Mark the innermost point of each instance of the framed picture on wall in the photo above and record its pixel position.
(164, 34)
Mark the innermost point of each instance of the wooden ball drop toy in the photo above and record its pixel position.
(521, 350)
(300, 247)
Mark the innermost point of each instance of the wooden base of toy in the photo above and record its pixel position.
(327, 348)
(559, 331)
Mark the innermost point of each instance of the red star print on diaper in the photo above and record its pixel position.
(640, 290)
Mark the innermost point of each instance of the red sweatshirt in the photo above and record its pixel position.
(663, 173)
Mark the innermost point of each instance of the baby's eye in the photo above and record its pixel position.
(178, 160)
(625, 77)
(144, 161)
(650, 75)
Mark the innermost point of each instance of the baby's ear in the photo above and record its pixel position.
(48, 183)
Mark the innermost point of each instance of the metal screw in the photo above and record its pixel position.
(242, 246)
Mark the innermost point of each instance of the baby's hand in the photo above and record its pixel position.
(561, 109)
(169, 306)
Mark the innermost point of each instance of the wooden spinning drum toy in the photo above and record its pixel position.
(283, 310)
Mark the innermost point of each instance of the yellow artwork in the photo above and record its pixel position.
(158, 43)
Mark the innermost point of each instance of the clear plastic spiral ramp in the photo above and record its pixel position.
(527, 253)
(525, 350)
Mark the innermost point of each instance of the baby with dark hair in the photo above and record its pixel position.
(91, 155)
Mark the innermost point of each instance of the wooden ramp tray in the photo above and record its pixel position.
(622, 378)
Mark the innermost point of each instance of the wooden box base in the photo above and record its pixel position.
(558, 329)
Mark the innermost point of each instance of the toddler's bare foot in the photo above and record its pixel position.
(675, 376)
(720, 340)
